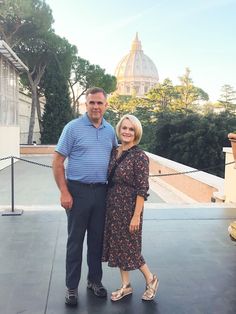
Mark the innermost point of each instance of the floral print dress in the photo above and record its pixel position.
(121, 248)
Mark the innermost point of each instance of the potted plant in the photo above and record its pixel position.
(232, 138)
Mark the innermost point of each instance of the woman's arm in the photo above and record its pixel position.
(135, 221)
(141, 174)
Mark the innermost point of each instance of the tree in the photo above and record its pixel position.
(58, 109)
(36, 53)
(188, 94)
(26, 26)
(193, 139)
(144, 112)
(118, 106)
(20, 19)
(211, 107)
(185, 97)
(163, 95)
(86, 75)
(142, 108)
(228, 97)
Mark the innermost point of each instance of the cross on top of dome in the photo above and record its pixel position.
(136, 44)
(136, 73)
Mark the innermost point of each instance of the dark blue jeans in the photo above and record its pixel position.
(87, 214)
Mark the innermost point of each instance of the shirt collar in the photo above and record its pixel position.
(87, 121)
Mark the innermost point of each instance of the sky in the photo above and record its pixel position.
(198, 34)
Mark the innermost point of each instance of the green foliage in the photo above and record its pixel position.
(228, 97)
(183, 97)
(88, 75)
(22, 20)
(189, 95)
(193, 139)
(163, 95)
(175, 127)
(56, 48)
(120, 105)
(58, 110)
(147, 117)
(26, 26)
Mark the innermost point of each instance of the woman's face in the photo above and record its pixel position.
(127, 132)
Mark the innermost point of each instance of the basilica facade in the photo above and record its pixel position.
(136, 73)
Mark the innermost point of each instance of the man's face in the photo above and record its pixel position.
(96, 105)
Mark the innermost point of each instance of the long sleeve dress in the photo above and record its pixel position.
(121, 248)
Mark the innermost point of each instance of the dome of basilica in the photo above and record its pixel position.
(136, 73)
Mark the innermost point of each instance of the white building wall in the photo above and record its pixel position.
(9, 144)
(9, 128)
(8, 93)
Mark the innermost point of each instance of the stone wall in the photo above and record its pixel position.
(230, 176)
(24, 118)
(200, 186)
(37, 149)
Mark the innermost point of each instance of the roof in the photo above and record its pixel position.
(10, 55)
(136, 64)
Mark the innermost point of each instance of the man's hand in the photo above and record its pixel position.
(59, 174)
(66, 200)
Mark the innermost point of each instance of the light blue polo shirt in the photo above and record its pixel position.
(87, 148)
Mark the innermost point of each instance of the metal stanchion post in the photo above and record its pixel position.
(12, 184)
(13, 212)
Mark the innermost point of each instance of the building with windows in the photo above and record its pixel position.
(10, 67)
(136, 73)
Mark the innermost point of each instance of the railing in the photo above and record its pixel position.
(19, 212)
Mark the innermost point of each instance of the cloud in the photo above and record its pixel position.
(119, 24)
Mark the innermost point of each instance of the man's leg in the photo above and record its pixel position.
(77, 217)
(95, 239)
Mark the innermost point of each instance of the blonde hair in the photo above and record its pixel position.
(138, 130)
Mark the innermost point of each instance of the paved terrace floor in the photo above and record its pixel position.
(186, 245)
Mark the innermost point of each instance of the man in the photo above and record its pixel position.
(87, 143)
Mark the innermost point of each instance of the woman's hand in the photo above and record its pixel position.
(134, 224)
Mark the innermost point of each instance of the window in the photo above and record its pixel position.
(8, 93)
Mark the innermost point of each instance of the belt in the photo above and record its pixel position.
(91, 185)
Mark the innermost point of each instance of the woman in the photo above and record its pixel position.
(128, 186)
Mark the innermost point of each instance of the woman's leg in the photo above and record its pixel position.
(125, 289)
(152, 283)
(146, 273)
(124, 277)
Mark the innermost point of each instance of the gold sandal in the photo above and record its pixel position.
(151, 289)
(122, 292)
